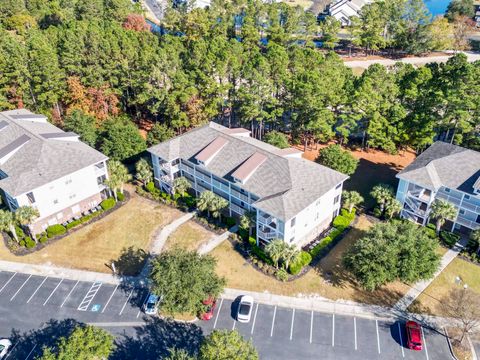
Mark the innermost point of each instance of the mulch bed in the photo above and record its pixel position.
(22, 251)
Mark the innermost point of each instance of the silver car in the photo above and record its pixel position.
(245, 307)
(5, 344)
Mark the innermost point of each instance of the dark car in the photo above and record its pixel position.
(414, 335)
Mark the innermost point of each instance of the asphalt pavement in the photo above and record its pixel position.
(36, 310)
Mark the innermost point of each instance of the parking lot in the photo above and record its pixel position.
(277, 332)
(284, 333)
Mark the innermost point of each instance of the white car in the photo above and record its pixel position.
(245, 307)
(5, 344)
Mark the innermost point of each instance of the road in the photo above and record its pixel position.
(35, 310)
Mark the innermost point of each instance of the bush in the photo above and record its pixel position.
(449, 238)
(230, 221)
(150, 187)
(472, 246)
(22, 242)
(19, 231)
(29, 243)
(120, 196)
(73, 224)
(319, 247)
(281, 275)
(243, 233)
(252, 241)
(260, 254)
(432, 233)
(55, 230)
(303, 259)
(107, 204)
(43, 239)
(344, 220)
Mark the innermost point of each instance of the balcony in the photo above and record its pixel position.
(166, 179)
(416, 206)
(267, 233)
(470, 224)
(166, 166)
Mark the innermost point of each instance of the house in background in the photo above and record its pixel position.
(343, 10)
(294, 199)
(447, 172)
(49, 169)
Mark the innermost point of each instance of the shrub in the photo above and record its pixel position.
(472, 245)
(73, 224)
(281, 275)
(259, 253)
(252, 241)
(107, 204)
(324, 243)
(449, 238)
(432, 233)
(230, 221)
(19, 231)
(43, 239)
(303, 259)
(150, 187)
(29, 243)
(22, 242)
(55, 230)
(243, 233)
(120, 196)
(344, 220)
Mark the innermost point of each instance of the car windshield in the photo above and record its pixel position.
(244, 309)
(2, 347)
(150, 305)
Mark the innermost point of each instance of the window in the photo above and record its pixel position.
(72, 196)
(292, 239)
(467, 197)
(337, 199)
(31, 198)
(292, 222)
(338, 186)
(69, 181)
(447, 190)
(55, 201)
(101, 179)
(462, 212)
(478, 219)
(175, 162)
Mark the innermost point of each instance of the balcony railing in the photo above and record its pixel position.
(470, 224)
(166, 180)
(267, 235)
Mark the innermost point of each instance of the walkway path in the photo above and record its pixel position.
(216, 240)
(420, 286)
(162, 235)
(471, 56)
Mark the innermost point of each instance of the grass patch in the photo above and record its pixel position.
(329, 279)
(123, 236)
(429, 301)
(188, 236)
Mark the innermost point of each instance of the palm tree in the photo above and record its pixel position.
(143, 171)
(117, 176)
(248, 221)
(25, 215)
(382, 193)
(392, 207)
(217, 205)
(205, 201)
(351, 199)
(290, 253)
(7, 223)
(181, 185)
(441, 211)
(275, 249)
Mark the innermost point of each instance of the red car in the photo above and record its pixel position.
(414, 335)
(210, 304)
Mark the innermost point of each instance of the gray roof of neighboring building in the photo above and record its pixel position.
(444, 164)
(285, 185)
(38, 160)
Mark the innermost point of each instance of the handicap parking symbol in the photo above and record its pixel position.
(95, 307)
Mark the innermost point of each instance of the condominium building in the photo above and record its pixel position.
(49, 169)
(443, 171)
(294, 199)
(343, 10)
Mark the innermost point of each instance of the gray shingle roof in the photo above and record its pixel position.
(39, 160)
(444, 164)
(285, 185)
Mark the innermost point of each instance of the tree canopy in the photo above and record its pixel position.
(227, 345)
(184, 279)
(338, 159)
(397, 250)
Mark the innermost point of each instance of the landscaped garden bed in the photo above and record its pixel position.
(26, 245)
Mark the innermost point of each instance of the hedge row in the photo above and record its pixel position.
(449, 238)
(303, 259)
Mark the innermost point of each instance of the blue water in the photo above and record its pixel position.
(437, 7)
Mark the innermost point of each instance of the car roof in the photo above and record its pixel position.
(247, 298)
(414, 330)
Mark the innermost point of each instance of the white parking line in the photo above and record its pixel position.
(401, 340)
(333, 329)
(125, 304)
(39, 286)
(291, 326)
(273, 320)
(143, 304)
(218, 312)
(425, 343)
(378, 337)
(20, 288)
(311, 327)
(8, 281)
(89, 296)
(110, 298)
(234, 323)
(53, 292)
(70, 293)
(254, 318)
(355, 330)
(30, 353)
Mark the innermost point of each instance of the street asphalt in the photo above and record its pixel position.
(36, 310)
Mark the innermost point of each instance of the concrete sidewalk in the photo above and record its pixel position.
(420, 286)
(161, 237)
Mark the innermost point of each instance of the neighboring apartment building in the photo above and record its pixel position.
(447, 172)
(49, 169)
(343, 10)
(294, 199)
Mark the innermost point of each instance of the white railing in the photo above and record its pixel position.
(267, 235)
(166, 180)
(470, 224)
(166, 166)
